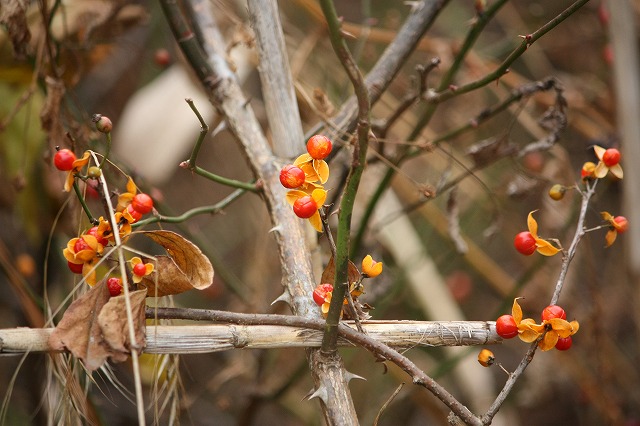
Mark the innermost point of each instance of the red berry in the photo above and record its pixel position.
(162, 57)
(91, 191)
(623, 224)
(76, 268)
(63, 160)
(319, 147)
(80, 245)
(525, 243)
(320, 293)
(139, 269)
(611, 157)
(564, 343)
(506, 327)
(115, 286)
(553, 311)
(142, 203)
(135, 214)
(94, 231)
(291, 176)
(305, 207)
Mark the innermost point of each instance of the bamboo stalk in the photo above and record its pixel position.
(192, 339)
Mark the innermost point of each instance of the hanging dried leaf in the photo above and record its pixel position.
(13, 17)
(114, 325)
(329, 273)
(81, 333)
(184, 269)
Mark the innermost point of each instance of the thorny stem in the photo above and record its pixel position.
(472, 36)
(329, 341)
(341, 284)
(503, 68)
(469, 41)
(446, 92)
(516, 95)
(580, 231)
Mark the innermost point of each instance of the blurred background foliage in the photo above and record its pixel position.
(118, 58)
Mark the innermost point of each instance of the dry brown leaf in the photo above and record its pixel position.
(114, 325)
(79, 330)
(184, 269)
(14, 18)
(329, 273)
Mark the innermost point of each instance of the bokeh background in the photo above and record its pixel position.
(119, 59)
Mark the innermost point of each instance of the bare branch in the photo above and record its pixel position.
(394, 57)
(275, 75)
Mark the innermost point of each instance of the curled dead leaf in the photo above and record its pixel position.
(114, 325)
(329, 273)
(184, 269)
(86, 335)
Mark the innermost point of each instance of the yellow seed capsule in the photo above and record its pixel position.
(557, 192)
(486, 358)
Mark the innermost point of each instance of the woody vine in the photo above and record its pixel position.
(297, 194)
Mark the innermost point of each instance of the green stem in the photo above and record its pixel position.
(191, 162)
(503, 68)
(329, 341)
(204, 129)
(214, 209)
(76, 188)
(447, 79)
(106, 152)
(247, 186)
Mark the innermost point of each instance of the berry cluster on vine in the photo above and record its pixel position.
(85, 252)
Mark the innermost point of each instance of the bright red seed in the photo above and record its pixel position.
(506, 327)
(305, 207)
(553, 311)
(319, 147)
(94, 232)
(611, 157)
(135, 214)
(63, 160)
(291, 176)
(623, 224)
(115, 286)
(320, 292)
(525, 243)
(142, 203)
(76, 268)
(564, 343)
(80, 245)
(139, 269)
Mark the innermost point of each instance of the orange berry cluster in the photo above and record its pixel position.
(305, 179)
(554, 330)
(85, 252)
